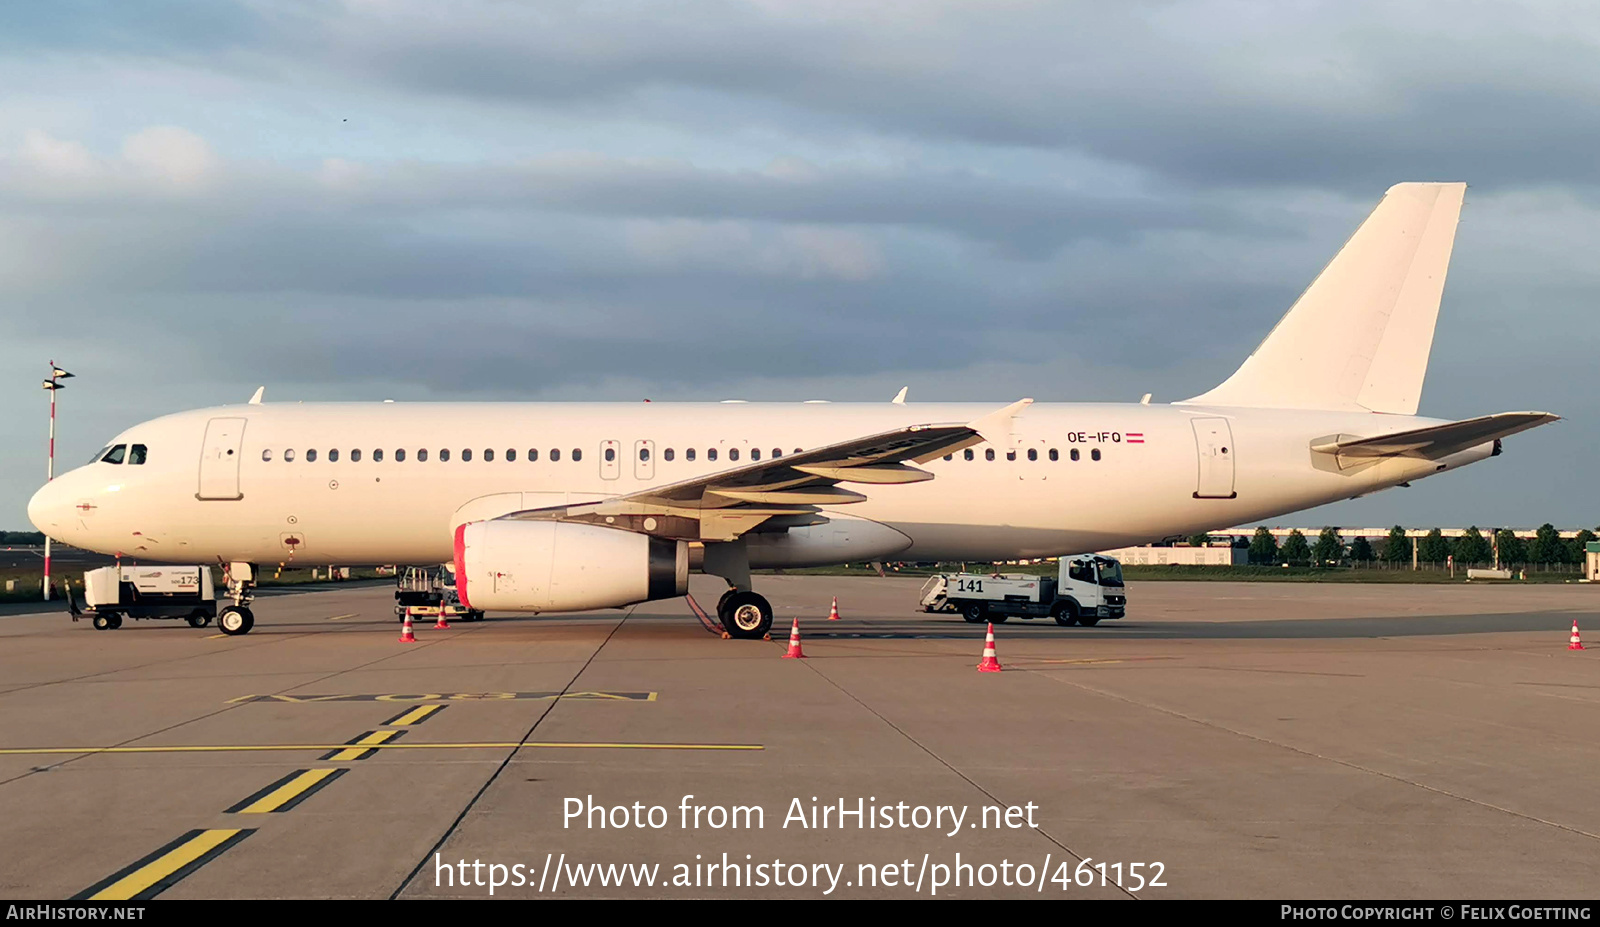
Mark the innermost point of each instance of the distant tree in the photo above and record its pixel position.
(1396, 547)
(1329, 548)
(1547, 546)
(1199, 540)
(1512, 548)
(1263, 547)
(1579, 545)
(1472, 547)
(1361, 551)
(1433, 548)
(1295, 549)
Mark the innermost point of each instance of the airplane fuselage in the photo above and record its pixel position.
(1069, 478)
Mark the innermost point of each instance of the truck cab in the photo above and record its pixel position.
(1085, 589)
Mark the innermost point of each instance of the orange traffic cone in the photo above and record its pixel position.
(833, 613)
(406, 637)
(441, 624)
(794, 652)
(990, 663)
(1577, 643)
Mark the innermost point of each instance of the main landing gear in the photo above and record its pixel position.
(237, 618)
(745, 614)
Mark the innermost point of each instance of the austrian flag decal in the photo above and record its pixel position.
(1135, 437)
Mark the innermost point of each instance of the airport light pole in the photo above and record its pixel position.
(53, 385)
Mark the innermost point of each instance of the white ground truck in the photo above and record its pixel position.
(116, 592)
(1086, 589)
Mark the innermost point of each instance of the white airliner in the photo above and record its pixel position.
(570, 506)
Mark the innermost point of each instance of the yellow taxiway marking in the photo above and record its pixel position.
(415, 715)
(483, 745)
(1022, 660)
(215, 637)
(287, 792)
(343, 617)
(149, 876)
(358, 747)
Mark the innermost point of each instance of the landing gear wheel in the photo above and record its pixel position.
(102, 621)
(745, 615)
(235, 620)
(975, 612)
(722, 603)
(1066, 615)
(199, 619)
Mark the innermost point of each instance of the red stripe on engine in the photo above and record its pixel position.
(461, 565)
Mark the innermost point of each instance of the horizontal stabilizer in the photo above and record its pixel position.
(1435, 441)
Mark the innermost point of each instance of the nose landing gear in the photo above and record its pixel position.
(237, 618)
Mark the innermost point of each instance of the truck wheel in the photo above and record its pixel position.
(1065, 614)
(975, 612)
(102, 621)
(199, 619)
(116, 620)
(235, 620)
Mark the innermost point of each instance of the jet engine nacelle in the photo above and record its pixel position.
(540, 566)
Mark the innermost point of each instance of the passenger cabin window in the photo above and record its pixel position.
(288, 455)
(555, 454)
(733, 453)
(511, 455)
(1054, 455)
(577, 454)
(444, 455)
(668, 454)
(355, 456)
(644, 453)
(988, 454)
(688, 454)
(533, 454)
(777, 452)
(755, 453)
(466, 454)
(422, 455)
(1074, 453)
(115, 455)
(488, 455)
(711, 453)
(267, 454)
(1011, 455)
(399, 455)
(611, 454)
(377, 455)
(949, 457)
(967, 454)
(1094, 454)
(333, 456)
(311, 456)
(1033, 454)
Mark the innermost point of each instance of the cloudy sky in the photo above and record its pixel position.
(777, 199)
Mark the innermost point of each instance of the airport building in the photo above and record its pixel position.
(1190, 556)
(1591, 561)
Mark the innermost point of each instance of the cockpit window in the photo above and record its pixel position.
(136, 454)
(99, 454)
(115, 455)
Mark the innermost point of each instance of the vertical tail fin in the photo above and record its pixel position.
(1359, 336)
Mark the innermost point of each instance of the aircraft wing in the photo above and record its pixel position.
(781, 492)
(1435, 441)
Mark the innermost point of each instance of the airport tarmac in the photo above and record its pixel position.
(1256, 740)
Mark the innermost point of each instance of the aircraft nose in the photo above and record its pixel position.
(48, 509)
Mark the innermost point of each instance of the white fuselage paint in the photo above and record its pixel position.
(369, 512)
